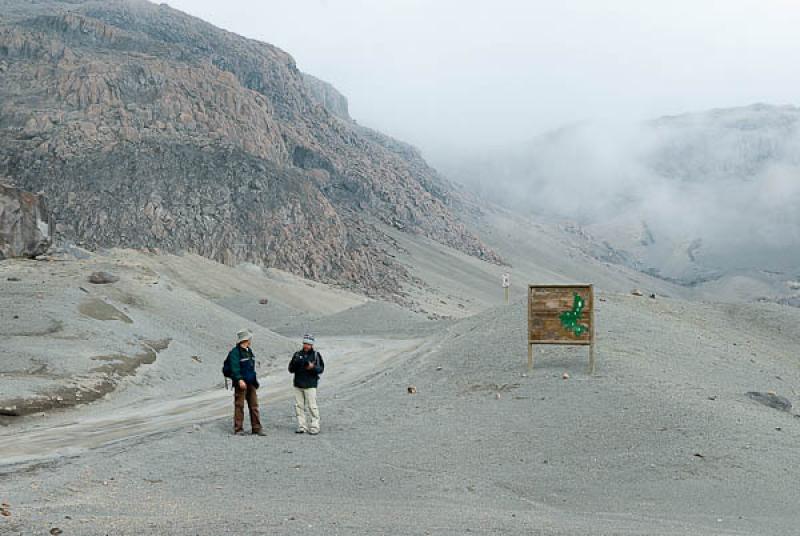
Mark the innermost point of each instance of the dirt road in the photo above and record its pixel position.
(74, 432)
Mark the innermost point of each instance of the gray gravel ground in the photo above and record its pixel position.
(662, 441)
(64, 341)
(373, 318)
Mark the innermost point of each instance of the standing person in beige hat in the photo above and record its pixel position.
(241, 365)
(306, 365)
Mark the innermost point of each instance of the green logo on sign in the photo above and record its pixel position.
(570, 319)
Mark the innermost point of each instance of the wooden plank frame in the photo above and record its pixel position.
(540, 318)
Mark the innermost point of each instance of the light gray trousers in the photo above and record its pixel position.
(306, 398)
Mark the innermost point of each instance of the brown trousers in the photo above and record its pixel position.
(239, 396)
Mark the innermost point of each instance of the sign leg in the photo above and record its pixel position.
(591, 346)
(530, 357)
(506, 289)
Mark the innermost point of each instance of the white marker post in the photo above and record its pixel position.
(506, 285)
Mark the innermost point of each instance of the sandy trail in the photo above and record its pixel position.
(347, 360)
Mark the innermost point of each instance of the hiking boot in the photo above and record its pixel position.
(313, 432)
(260, 433)
(238, 432)
(300, 431)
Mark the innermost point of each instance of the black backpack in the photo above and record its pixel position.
(226, 366)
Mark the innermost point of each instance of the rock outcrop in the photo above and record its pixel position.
(150, 128)
(328, 96)
(25, 229)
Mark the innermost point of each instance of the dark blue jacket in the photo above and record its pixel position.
(303, 377)
(243, 366)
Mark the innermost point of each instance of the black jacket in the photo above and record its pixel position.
(243, 366)
(303, 377)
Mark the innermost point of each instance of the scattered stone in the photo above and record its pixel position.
(9, 411)
(197, 358)
(103, 278)
(14, 279)
(55, 531)
(565, 376)
(263, 301)
(637, 292)
(412, 390)
(497, 396)
(653, 296)
(439, 368)
(772, 400)
(712, 397)
(698, 455)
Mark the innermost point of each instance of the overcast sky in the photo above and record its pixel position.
(457, 75)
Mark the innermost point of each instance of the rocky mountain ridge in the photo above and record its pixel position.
(146, 127)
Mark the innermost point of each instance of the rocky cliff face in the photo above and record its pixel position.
(150, 128)
(328, 96)
(25, 229)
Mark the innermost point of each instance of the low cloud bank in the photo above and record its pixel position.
(729, 178)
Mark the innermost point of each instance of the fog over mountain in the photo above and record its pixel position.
(719, 189)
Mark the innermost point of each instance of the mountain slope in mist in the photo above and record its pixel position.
(692, 198)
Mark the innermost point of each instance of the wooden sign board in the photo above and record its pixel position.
(561, 314)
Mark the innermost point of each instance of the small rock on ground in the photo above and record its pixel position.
(771, 400)
(103, 278)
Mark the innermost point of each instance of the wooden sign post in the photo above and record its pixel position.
(561, 314)
(506, 284)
